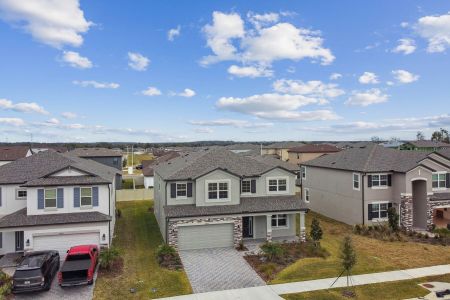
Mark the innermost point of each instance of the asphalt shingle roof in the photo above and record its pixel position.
(21, 219)
(147, 165)
(95, 152)
(428, 144)
(315, 148)
(283, 145)
(11, 153)
(247, 205)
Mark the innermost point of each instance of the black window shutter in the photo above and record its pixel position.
(369, 211)
(447, 180)
(369, 180)
(173, 190)
(389, 179)
(253, 186)
(189, 189)
(389, 205)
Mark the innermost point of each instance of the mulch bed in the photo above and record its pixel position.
(115, 270)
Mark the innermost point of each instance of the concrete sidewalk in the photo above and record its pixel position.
(273, 291)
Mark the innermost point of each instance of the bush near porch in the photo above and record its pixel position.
(373, 255)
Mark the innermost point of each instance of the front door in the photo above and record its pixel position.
(247, 227)
(19, 240)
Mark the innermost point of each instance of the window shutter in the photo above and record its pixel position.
(369, 180)
(389, 179)
(447, 182)
(40, 198)
(1, 239)
(76, 197)
(189, 189)
(60, 198)
(253, 186)
(389, 205)
(369, 212)
(95, 196)
(173, 190)
(0, 196)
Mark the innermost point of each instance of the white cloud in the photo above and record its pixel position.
(403, 76)
(96, 84)
(335, 76)
(173, 33)
(404, 24)
(151, 91)
(25, 107)
(204, 130)
(368, 78)
(55, 23)
(74, 59)
(313, 88)
(260, 20)
(53, 121)
(137, 61)
(436, 30)
(232, 123)
(250, 71)
(12, 121)
(69, 115)
(405, 46)
(366, 98)
(188, 93)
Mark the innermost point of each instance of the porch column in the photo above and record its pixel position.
(269, 228)
(302, 234)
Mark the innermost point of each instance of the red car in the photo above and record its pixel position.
(79, 266)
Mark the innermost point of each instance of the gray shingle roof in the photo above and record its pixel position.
(44, 163)
(372, 158)
(428, 144)
(283, 145)
(445, 152)
(11, 153)
(63, 180)
(21, 219)
(247, 205)
(95, 152)
(196, 164)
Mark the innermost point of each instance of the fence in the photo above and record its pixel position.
(131, 195)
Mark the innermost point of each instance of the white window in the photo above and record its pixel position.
(306, 195)
(380, 180)
(21, 194)
(279, 221)
(50, 198)
(303, 172)
(218, 190)
(438, 180)
(356, 178)
(86, 196)
(246, 186)
(277, 185)
(181, 190)
(379, 210)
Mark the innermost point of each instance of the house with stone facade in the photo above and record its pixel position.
(216, 198)
(358, 185)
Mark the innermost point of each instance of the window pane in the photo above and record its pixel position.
(282, 182)
(274, 222)
(51, 193)
(282, 222)
(272, 182)
(246, 186)
(383, 206)
(50, 202)
(383, 214)
(223, 194)
(212, 195)
(86, 192)
(272, 188)
(86, 201)
(212, 186)
(282, 187)
(435, 177)
(435, 184)
(223, 186)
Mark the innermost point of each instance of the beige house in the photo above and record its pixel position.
(280, 149)
(298, 155)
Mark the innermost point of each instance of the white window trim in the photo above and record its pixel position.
(176, 190)
(359, 181)
(1, 240)
(380, 219)
(92, 198)
(21, 198)
(277, 192)
(304, 195)
(380, 187)
(438, 188)
(280, 227)
(246, 193)
(228, 181)
(56, 199)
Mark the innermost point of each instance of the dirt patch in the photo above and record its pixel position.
(115, 270)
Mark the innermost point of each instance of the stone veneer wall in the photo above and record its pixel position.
(173, 228)
(406, 207)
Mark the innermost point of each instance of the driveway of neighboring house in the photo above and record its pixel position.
(218, 269)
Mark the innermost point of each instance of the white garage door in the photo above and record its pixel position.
(63, 242)
(205, 236)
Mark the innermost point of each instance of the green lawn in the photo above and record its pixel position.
(137, 236)
(390, 290)
(138, 158)
(372, 255)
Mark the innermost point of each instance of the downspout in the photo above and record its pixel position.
(363, 200)
(167, 219)
(109, 211)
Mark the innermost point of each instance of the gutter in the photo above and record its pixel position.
(363, 198)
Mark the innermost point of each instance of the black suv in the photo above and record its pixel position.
(36, 271)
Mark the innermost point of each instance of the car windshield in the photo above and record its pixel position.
(33, 261)
(28, 273)
(78, 257)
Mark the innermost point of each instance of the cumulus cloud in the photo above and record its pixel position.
(53, 121)
(368, 78)
(96, 84)
(250, 71)
(403, 76)
(335, 76)
(313, 88)
(151, 91)
(25, 107)
(204, 130)
(260, 20)
(137, 61)
(436, 30)
(12, 121)
(74, 59)
(366, 98)
(405, 46)
(232, 123)
(187, 93)
(55, 23)
(173, 33)
(69, 115)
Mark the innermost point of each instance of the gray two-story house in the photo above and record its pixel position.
(358, 185)
(216, 198)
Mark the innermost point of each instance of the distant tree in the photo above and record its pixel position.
(316, 231)
(124, 163)
(393, 218)
(348, 256)
(375, 139)
(420, 136)
(440, 136)
(394, 139)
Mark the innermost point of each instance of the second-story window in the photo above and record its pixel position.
(438, 180)
(246, 186)
(380, 180)
(181, 190)
(86, 196)
(218, 190)
(306, 195)
(356, 178)
(50, 198)
(21, 194)
(277, 185)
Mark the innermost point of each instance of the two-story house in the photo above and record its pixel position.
(358, 185)
(298, 155)
(216, 198)
(52, 201)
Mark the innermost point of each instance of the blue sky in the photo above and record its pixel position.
(153, 71)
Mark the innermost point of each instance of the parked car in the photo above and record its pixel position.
(36, 271)
(79, 266)
(139, 167)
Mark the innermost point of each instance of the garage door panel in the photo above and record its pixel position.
(205, 236)
(63, 242)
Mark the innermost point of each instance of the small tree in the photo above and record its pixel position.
(348, 256)
(272, 250)
(393, 218)
(108, 256)
(316, 231)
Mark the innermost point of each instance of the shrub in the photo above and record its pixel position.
(272, 250)
(118, 213)
(108, 256)
(168, 257)
(357, 229)
(5, 285)
(127, 184)
(164, 250)
(393, 219)
(316, 231)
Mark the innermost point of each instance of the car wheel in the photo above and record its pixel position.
(47, 286)
(91, 282)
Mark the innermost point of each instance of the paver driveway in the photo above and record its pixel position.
(218, 269)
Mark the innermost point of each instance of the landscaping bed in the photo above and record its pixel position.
(5, 286)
